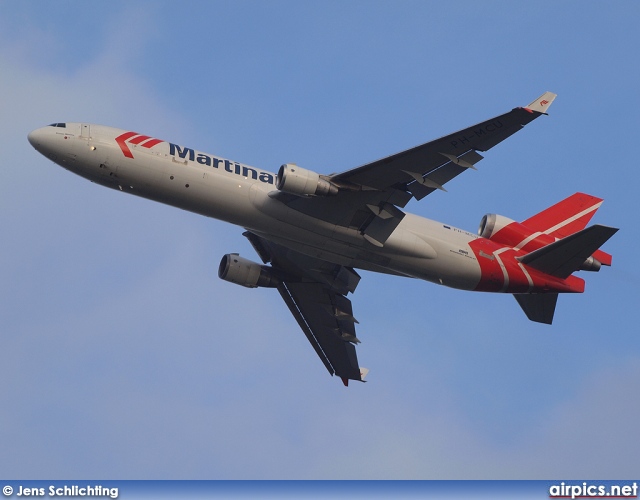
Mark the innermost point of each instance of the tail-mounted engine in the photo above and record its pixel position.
(509, 232)
(503, 230)
(299, 181)
(491, 224)
(245, 272)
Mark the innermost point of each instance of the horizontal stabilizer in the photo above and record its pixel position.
(563, 257)
(603, 257)
(538, 307)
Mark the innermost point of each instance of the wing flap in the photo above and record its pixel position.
(385, 220)
(315, 292)
(330, 335)
(427, 157)
(415, 172)
(437, 178)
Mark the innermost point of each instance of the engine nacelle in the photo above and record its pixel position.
(491, 224)
(299, 181)
(509, 232)
(245, 272)
(591, 264)
(506, 231)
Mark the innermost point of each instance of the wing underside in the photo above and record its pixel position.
(370, 197)
(313, 306)
(315, 293)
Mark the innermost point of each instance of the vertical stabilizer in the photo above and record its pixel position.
(568, 217)
(565, 217)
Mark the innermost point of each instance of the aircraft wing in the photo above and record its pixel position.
(315, 293)
(370, 195)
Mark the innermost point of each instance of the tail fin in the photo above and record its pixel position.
(574, 248)
(568, 217)
(563, 257)
(560, 259)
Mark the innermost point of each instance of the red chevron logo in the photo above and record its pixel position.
(134, 138)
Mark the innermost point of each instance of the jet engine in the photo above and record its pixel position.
(245, 272)
(509, 232)
(591, 264)
(503, 230)
(299, 181)
(491, 224)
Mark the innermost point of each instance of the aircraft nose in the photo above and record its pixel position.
(35, 137)
(45, 141)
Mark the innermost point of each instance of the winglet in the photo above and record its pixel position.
(542, 103)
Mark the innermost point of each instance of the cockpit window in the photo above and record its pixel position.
(61, 125)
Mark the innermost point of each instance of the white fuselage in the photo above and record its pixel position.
(239, 194)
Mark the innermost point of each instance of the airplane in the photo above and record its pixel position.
(312, 231)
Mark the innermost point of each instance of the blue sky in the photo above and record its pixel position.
(124, 356)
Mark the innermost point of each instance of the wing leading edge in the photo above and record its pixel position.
(420, 167)
(370, 197)
(315, 293)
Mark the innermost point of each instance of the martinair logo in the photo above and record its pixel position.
(188, 154)
(134, 138)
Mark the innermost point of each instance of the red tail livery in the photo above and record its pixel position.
(539, 255)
